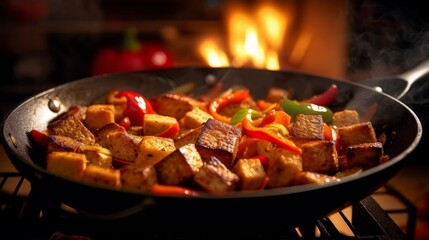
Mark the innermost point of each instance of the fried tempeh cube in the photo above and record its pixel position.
(356, 134)
(176, 105)
(308, 126)
(138, 178)
(67, 164)
(365, 155)
(102, 176)
(180, 165)
(251, 173)
(99, 115)
(194, 118)
(345, 117)
(219, 139)
(71, 127)
(154, 123)
(215, 177)
(153, 149)
(320, 157)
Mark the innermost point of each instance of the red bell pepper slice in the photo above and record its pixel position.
(170, 132)
(223, 101)
(125, 123)
(324, 98)
(263, 134)
(276, 117)
(163, 189)
(39, 137)
(137, 107)
(264, 161)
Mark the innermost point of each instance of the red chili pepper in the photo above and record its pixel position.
(324, 98)
(223, 101)
(170, 132)
(39, 137)
(137, 107)
(162, 189)
(263, 134)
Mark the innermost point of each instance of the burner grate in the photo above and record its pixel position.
(365, 219)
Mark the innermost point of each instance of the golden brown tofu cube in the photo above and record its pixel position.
(122, 145)
(214, 177)
(138, 178)
(282, 170)
(102, 176)
(251, 173)
(180, 165)
(71, 127)
(365, 155)
(187, 137)
(98, 156)
(153, 149)
(345, 118)
(57, 143)
(320, 157)
(306, 177)
(99, 115)
(308, 126)
(154, 123)
(220, 140)
(176, 105)
(67, 164)
(357, 134)
(194, 118)
(78, 111)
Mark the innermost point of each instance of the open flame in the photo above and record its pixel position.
(255, 37)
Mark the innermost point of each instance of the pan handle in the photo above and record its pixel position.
(413, 75)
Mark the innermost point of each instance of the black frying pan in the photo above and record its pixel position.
(254, 211)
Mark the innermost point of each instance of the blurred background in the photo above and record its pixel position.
(44, 43)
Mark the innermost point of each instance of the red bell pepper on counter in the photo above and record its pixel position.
(137, 107)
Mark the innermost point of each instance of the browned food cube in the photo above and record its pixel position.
(67, 164)
(136, 130)
(94, 154)
(308, 126)
(138, 178)
(188, 136)
(102, 176)
(99, 115)
(154, 123)
(176, 105)
(251, 173)
(283, 169)
(276, 94)
(365, 155)
(179, 166)
(306, 177)
(194, 118)
(345, 118)
(121, 144)
(153, 149)
(71, 127)
(356, 134)
(78, 111)
(220, 140)
(215, 177)
(119, 103)
(320, 157)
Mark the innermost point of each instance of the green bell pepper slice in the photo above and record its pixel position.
(293, 108)
(248, 113)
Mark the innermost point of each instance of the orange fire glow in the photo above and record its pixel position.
(255, 37)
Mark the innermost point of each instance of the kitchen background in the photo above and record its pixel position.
(44, 43)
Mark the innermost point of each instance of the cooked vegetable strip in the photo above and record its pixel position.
(225, 100)
(137, 106)
(324, 98)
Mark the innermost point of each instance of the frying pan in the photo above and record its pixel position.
(271, 210)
